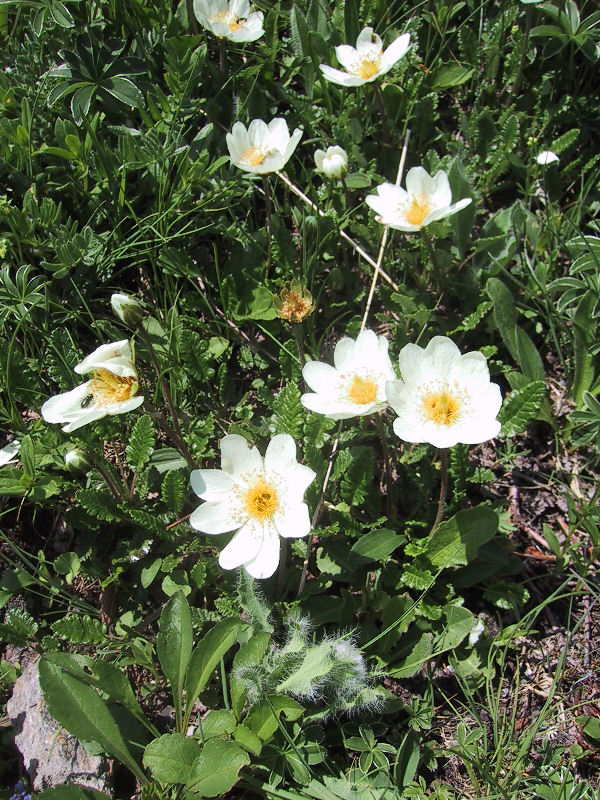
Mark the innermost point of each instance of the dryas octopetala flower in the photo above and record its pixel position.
(426, 199)
(356, 384)
(367, 61)
(112, 388)
(333, 163)
(262, 148)
(230, 20)
(127, 309)
(293, 304)
(261, 498)
(444, 397)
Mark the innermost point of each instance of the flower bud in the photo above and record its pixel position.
(127, 309)
(293, 304)
(76, 461)
(547, 157)
(333, 163)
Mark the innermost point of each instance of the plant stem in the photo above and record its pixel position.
(356, 247)
(436, 267)
(265, 182)
(382, 113)
(299, 337)
(117, 491)
(390, 509)
(443, 486)
(222, 59)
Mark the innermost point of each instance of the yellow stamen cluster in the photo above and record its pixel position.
(106, 387)
(417, 208)
(254, 156)
(293, 304)
(368, 66)
(362, 390)
(227, 18)
(442, 408)
(261, 500)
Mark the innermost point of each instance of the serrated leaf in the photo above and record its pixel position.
(141, 443)
(79, 629)
(358, 476)
(99, 504)
(173, 490)
(521, 407)
(18, 627)
(289, 411)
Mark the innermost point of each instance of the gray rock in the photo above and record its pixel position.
(51, 756)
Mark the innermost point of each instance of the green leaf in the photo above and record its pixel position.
(217, 722)
(351, 21)
(148, 574)
(584, 335)
(79, 629)
(521, 407)
(299, 32)
(99, 504)
(124, 90)
(358, 476)
(170, 759)
(450, 74)
(83, 713)
(27, 456)
(174, 644)
(289, 411)
(173, 490)
(407, 759)
(71, 791)
(262, 718)
(458, 622)
(376, 545)
(419, 654)
(216, 769)
(141, 443)
(248, 740)
(207, 654)
(458, 540)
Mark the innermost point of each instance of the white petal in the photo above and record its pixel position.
(319, 376)
(241, 8)
(127, 405)
(411, 361)
(60, 407)
(8, 452)
(293, 522)
(280, 453)
(419, 182)
(442, 213)
(245, 546)
(116, 357)
(319, 156)
(339, 77)
(547, 157)
(367, 39)
(267, 560)
(395, 51)
(238, 457)
(214, 517)
(333, 407)
(441, 193)
(347, 56)
(395, 392)
(279, 135)
(344, 351)
(258, 132)
(441, 353)
(211, 484)
(292, 144)
(298, 478)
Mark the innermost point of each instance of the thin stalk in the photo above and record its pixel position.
(390, 509)
(284, 554)
(384, 237)
(429, 245)
(356, 247)
(222, 59)
(382, 113)
(443, 486)
(299, 337)
(265, 182)
(117, 491)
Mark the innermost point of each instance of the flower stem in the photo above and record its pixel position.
(356, 247)
(390, 509)
(116, 490)
(222, 59)
(265, 182)
(443, 486)
(382, 113)
(299, 337)
(430, 249)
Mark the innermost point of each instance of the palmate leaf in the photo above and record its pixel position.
(141, 443)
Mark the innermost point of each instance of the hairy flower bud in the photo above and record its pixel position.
(127, 309)
(76, 461)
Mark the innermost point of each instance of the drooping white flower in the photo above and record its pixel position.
(111, 390)
(367, 61)
(127, 309)
(260, 498)
(426, 199)
(231, 20)
(547, 157)
(356, 384)
(444, 397)
(333, 163)
(262, 148)
(8, 452)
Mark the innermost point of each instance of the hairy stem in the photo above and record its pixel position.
(443, 487)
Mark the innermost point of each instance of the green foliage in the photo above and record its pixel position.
(79, 629)
(141, 443)
(18, 627)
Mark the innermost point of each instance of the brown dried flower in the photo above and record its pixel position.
(293, 304)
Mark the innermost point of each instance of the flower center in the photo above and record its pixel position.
(106, 387)
(254, 156)
(442, 408)
(261, 500)
(227, 18)
(362, 390)
(369, 66)
(417, 209)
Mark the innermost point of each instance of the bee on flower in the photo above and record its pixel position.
(367, 61)
(112, 388)
(426, 199)
(259, 498)
(355, 385)
(262, 148)
(231, 20)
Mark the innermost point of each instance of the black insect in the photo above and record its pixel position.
(87, 400)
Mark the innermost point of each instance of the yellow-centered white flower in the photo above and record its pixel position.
(367, 61)
(112, 388)
(261, 498)
(262, 148)
(333, 162)
(356, 384)
(231, 20)
(426, 199)
(444, 397)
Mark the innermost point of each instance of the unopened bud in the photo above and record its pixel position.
(293, 304)
(127, 309)
(333, 163)
(76, 461)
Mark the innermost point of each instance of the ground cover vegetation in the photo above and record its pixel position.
(299, 390)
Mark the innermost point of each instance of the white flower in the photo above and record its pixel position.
(111, 390)
(476, 631)
(547, 157)
(425, 199)
(260, 498)
(230, 20)
(444, 397)
(368, 61)
(333, 163)
(356, 385)
(127, 309)
(262, 148)
(8, 453)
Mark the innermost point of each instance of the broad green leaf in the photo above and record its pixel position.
(412, 663)
(505, 313)
(247, 739)
(584, 335)
(71, 791)
(124, 90)
(217, 722)
(207, 654)
(458, 622)
(262, 718)
(458, 540)
(216, 769)
(376, 545)
(450, 74)
(170, 758)
(407, 759)
(250, 655)
(351, 21)
(174, 644)
(148, 574)
(317, 662)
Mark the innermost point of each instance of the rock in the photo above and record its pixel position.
(51, 756)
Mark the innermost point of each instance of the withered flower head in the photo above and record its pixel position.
(293, 304)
